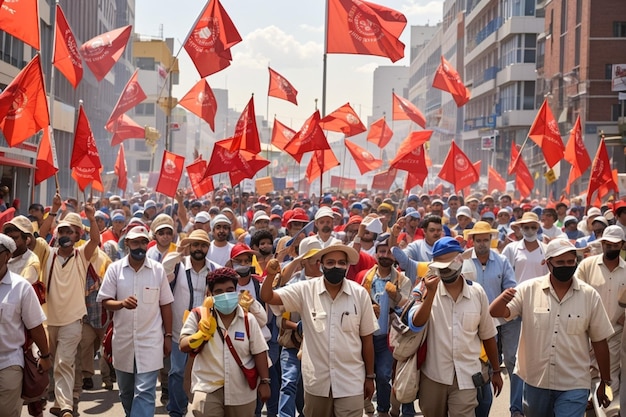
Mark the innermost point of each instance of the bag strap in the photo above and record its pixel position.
(188, 271)
(229, 343)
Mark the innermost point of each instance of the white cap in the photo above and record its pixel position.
(594, 211)
(558, 247)
(219, 219)
(202, 217)
(613, 234)
(324, 212)
(138, 232)
(260, 215)
(464, 211)
(7, 243)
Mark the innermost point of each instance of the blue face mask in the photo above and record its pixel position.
(226, 302)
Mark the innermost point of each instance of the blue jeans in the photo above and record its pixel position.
(485, 399)
(383, 363)
(291, 393)
(509, 339)
(539, 402)
(137, 392)
(177, 404)
(274, 371)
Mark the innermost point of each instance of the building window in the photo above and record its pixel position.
(563, 16)
(616, 112)
(579, 11)
(577, 47)
(528, 102)
(143, 165)
(145, 63)
(519, 49)
(144, 109)
(608, 72)
(518, 96)
(619, 29)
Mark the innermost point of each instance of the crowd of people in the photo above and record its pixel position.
(242, 302)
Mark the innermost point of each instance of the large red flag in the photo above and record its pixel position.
(103, 51)
(364, 28)
(413, 179)
(171, 171)
(495, 180)
(309, 138)
(201, 101)
(524, 181)
(468, 189)
(281, 88)
(21, 19)
(448, 79)
(364, 160)
(47, 164)
(281, 135)
(576, 154)
(457, 169)
(126, 128)
(380, 133)
(132, 95)
(23, 104)
(601, 178)
(222, 159)
(409, 153)
(120, 169)
(200, 185)
(85, 162)
(66, 57)
(403, 109)
(545, 133)
(343, 120)
(384, 180)
(209, 42)
(321, 161)
(250, 165)
(246, 137)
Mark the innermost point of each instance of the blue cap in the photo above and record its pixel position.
(356, 206)
(537, 210)
(446, 245)
(327, 200)
(410, 211)
(228, 200)
(413, 197)
(488, 215)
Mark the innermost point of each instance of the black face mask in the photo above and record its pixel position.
(65, 241)
(334, 275)
(385, 262)
(138, 254)
(563, 273)
(612, 254)
(449, 279)
(243, 271)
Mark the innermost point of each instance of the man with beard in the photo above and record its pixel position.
(262, 242)
(188, 283)
(338, 323)
(563, 315)
(219, 251)
(324, 224)
(457, 313)
(606, 273)
(419, 250)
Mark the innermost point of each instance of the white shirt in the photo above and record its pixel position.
(331, 241)
(137, 333)
(553, 232)
(27, 265)
(219, 255)
(19, 309)
(526, 264)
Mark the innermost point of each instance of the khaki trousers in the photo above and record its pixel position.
(315, 406)
(212, 405)
(63, 342)
(11, 391)
(439, 400)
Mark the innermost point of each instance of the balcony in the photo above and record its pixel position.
(517, 118)
(490, 28)
(483, 122)
(516, 72)
(489, 74)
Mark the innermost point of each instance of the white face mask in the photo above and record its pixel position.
(530, 235)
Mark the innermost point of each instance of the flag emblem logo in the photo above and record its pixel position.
(239, 336)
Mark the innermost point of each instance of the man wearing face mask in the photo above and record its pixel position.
(338, 324)
(136, 289)
(526, 256)
(324, 224)
(457, 311)
(606, 273)
(564, 315)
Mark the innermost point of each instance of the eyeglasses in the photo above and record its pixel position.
(530, 228)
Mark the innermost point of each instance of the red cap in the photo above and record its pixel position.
(275, 217)
(240, 248)
(299, 215)
(286, 216)
(356, 219)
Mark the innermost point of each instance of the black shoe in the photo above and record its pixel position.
(87, 383)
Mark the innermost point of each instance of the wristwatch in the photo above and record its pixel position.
(266, 381)
(370, 376)
(357, 240)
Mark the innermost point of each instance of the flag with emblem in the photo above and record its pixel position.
(281, 88)
(343, 120)
(171, 170)
(21, 20)
(85, 162)
(309, 138)
(403, 109)
(201, 101)
(448, 79)
(409, 153)
(246, 136)
(132, 95)
(545, 133)
(126, 128)
(380, 133)
(66, 57)
(457, 169)
(200, 185)
(103, 51)
(364, 160)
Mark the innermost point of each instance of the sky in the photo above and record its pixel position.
(287, 35)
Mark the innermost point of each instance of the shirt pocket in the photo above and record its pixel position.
(150, 295)
(576, 324)
(319, 319)
(350, 323)
(541, 317)
(470, 321)
(8, 313)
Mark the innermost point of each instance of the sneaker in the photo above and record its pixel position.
(165, 397)
(67, 413)
(108, 385)
(87, 383)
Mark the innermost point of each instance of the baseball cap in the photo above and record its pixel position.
(570, 219)
(385, 206)
(239, 249)
(444, 246)
(324, 212)
(202, 217)
(260, 215)
(558, 247)
(601, 219)
(118, 215)
(594, 211)
(437, 201)
(220, 219)
(71, 219)
(613, 234)
(356, 206)
(149, 204)
(413, 197)
(7, 243)
(464, 211)
(137, 232)
(308, 248)
(22, 223)
(162, 221)
(299, 215)
(410, 211)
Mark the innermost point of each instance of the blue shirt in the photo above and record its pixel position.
(497, 275)
(408, 265)
(380, 296)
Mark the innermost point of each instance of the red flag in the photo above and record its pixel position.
(438, 190)
(413, 179)
(448, 79)
(209, 42)
(364, 160)
(601, 178)
(21, 19)
(126, 128)
(246, 137)
(468, 189)
(85, 162)
(545, 133)
(384, 180)
(576, 154)
(250, 165)
(201, 101)
(222, 159)
(606, 189)
(132, 95)
(409, 154)
(403, 109)
(103, 51)
(200, 185)
(281, 88)
(66, 57)
(47, 164)
(23, 104)
(309, 138)
(364, 28)
(495, 180)
(457, 169)
(281, 135)
(380, 134)
(171, 171)
(343, 120)
(120, 169)
(321, 161)
(524, 181)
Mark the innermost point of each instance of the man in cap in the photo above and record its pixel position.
(453, 204)
(412, 230)
(118, 222)
(149, 211)
(436, 207)
(606, 273)
(21, 312)
(136, 289)
(561, 315)
(505, 201)
(472, 203)
(561, 213)
(526, 256)
(219, 251)
(385, 213)
(162, 228)
(324, 224)
(23, 261)
(464, 220)
(298, 219)
(446, 380)
(570, 227)
(337, 366)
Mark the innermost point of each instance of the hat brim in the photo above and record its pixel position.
(610, 239)
(307, 255)
(163, 226)
(471, 232)
(441, 264)
(523, 221)
(352, 254)
(563, 250)
(188, 240)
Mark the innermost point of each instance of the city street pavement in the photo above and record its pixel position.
(100, 402)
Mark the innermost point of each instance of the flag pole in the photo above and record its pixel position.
(324, 63)
(51, 109)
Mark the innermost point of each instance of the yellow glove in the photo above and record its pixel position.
(206, 329)
(208, 303)
(392, 291)
(246, 300)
